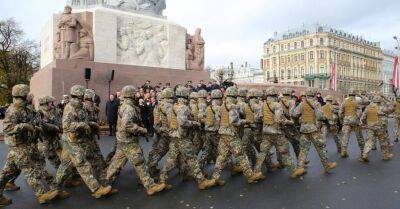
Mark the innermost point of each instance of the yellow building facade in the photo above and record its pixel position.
(304, 57)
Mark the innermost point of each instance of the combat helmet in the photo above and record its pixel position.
(182, 92)
(377, 99)
(167, 93)
(310, 92)
(216, 94)
(202, 94)
(77, 91)
(89, 94)
(352, 92)
(43, 100)
(271, 91)
(286, 92)
(128, 92)
(50, 99)
(192, 95)
(251, 93)
(329, 98)
(231, 92)
(20, 90)
(242, 92)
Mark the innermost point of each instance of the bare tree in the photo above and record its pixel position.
(19, 57)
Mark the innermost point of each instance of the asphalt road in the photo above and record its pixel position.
(352, 185)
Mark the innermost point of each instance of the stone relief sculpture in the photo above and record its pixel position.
(195, 51)
(73, 41)
(141, 43)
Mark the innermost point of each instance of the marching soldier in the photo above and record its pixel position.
(396, 119)
(309, 112)
(161, 145)
(273, 121)
(23, 154)
(330, 122)
(75, 129)
(128, 148)
(229, 142)
(181, 146)
(349, 113)
(375, 118)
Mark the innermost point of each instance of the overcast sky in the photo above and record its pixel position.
(235, 30)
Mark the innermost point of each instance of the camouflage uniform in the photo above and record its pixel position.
(160, 146)
(94, 155)
(247, 134)
(375, 117)
(349, 113)
(180, 145)
(229, 143)
(273, 121)
(75, 129)
(396, 119)
(128, 148)
(212, 119)
(195, 133)
(290, 130)
(309, 112)
(23, 154)
(330, 122)
(49, 142)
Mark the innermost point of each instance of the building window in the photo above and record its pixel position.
(295, 73)
(295, 45)
(282, 74)
(295, 58)
(288, 46)
(322, 84)
(302, 44)
(268, 75)
(321, 41)
(302, 83)
(311, 69)
(289, 74)
(302, 72)
(274, 49)
(288, 59)
(302, 56)
(322, 69)
(311, 42)
(311, 55)
(281, 47)
(321, 54)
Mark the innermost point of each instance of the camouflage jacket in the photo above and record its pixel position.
(331, 117)
(183, 119)
(161, 122)
(381, 120)
(277, 121)
(308, 127)
(74, 122)
(234, 122)
(350, 120)
(46, 118)
(92, 116)
(201, 107)
(213, 117)
(128, 124)
(256, 108)
(18, 128)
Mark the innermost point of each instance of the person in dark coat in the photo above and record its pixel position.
(112, 114)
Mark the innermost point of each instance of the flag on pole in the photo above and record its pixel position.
(395, 76)
(333, 77)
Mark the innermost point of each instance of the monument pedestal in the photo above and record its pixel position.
(57, 78)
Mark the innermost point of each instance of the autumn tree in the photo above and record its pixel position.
(19, 58)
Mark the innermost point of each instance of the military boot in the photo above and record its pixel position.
(11, 187)
(62, 195)
(387, 156)
(236, 170)
(4, 201)
(102, 191)
(255, 177)
(297, 172)
(206, 183)
(344, 154)
(330, 166)
(364, 158)
(46, 197)
(156, 188)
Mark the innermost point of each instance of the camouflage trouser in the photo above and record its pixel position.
(51, 149)
(74, 155)
(292, 136)
(197, 139)
(347, 129)
(158, 150)
(382, 136)
(305, 144)
(95, 157)
(25, 159)
(112, 153)
(247, 143)
(181, 150)
(133, 153)
(283, 150)
(227, 146)
(334, 129)
(396, 127)
(210, 150)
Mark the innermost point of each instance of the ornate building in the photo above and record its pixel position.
(387, 71)
(305, 56)
(243, 74)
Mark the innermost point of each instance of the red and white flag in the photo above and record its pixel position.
(333, 77)
(395, 76)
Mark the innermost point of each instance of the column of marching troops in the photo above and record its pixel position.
(240, 129)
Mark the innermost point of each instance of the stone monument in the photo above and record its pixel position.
(131, 37)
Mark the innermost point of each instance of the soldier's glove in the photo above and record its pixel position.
(83, 126)
(94, 126)
(288, 123)
(142, 130)
(28, 127)
(196, 124)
